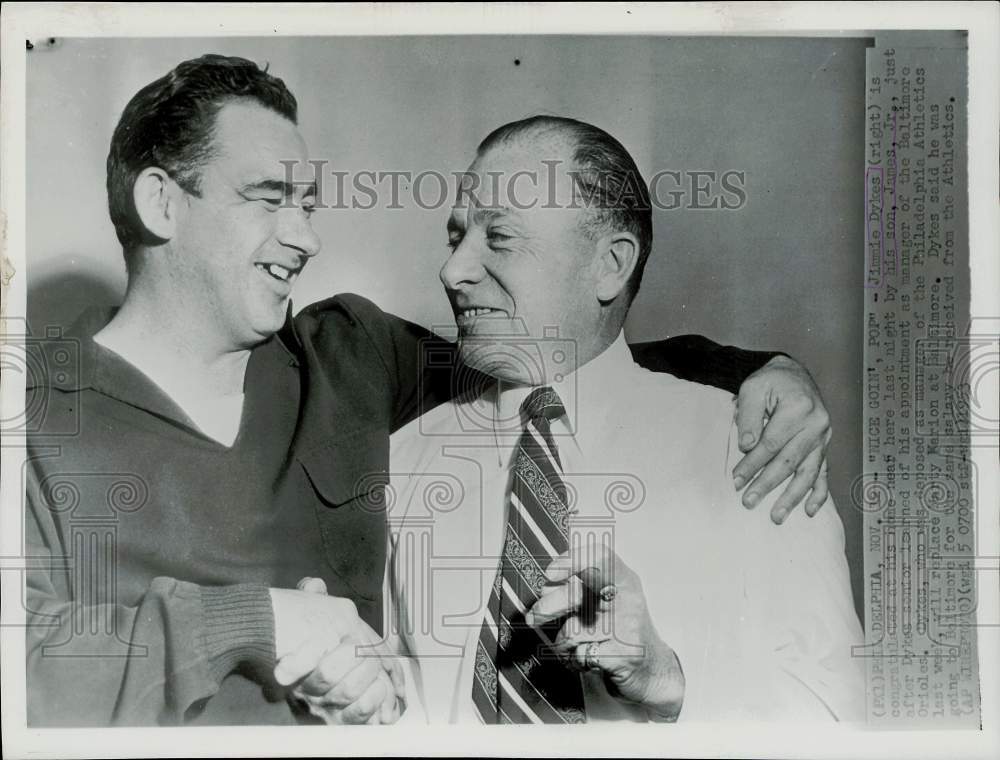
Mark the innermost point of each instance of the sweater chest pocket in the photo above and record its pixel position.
(349, 474)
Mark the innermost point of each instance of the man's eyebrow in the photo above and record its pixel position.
(286, 189)
(482, 214)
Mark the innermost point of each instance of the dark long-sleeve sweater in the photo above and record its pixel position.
(152, 547)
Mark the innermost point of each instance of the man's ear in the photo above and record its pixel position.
(618, 253)
(156, 196)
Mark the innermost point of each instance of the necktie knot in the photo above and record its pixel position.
(542, 403)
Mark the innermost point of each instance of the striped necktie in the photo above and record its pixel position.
(518, 678)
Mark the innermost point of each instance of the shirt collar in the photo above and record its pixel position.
(589, 395)
(74, 361)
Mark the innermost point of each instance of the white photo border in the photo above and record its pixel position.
(22, 21)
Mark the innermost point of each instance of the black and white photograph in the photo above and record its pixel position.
(377, 378)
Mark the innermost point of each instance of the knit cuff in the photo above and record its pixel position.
(238, 628)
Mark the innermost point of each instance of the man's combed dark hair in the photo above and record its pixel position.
(170, 123)
(606, 180)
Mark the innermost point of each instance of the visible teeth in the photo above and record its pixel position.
(468, 313)
(279, 271)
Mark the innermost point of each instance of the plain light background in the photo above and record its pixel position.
(784, 272)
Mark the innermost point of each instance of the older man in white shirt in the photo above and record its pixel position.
(566, 543)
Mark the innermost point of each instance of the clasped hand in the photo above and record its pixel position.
(333, 662)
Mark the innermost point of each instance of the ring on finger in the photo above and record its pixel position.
(590, 658)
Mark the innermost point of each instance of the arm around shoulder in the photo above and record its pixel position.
(421, 368)
(700, 360)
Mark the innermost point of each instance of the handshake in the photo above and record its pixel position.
(333, 662)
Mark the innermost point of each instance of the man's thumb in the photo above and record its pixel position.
(312, 585)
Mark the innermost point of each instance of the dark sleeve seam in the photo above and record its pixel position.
(360, 322)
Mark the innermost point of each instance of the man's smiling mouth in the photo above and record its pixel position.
(278, 272)
(465, 316)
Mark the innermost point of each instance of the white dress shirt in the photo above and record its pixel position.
(761, 616)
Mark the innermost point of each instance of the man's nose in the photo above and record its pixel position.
(295, 231)
(463, 267)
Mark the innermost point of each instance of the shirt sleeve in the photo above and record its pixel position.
(699, 360)
(806, 615)
(96, 663)
(794, 658)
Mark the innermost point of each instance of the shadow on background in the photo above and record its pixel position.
(58, 295)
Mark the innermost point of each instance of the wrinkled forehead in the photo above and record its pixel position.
(529, 173)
